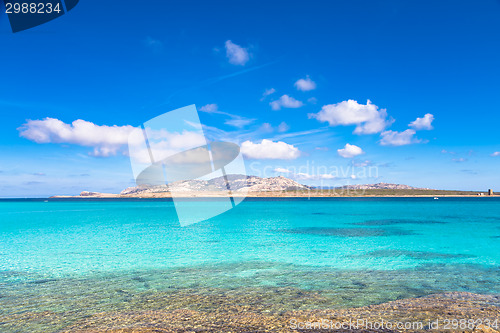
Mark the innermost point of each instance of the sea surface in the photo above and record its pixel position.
(64, 260)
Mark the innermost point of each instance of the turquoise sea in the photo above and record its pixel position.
(73, 258)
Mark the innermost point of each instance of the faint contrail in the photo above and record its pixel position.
(217, 79)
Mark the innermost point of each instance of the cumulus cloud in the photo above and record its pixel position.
(282, 170)
(303, 175)
(283, 127)
(236, 54)
(286, 101)
(209, 108)
(350, 151)
(305, 84)
(495, 154)
(326, 176)
(367, 118)
(267, 92)
(394, 138)
(424, 123)
(266, 127)
(268, 149)
(106, 140)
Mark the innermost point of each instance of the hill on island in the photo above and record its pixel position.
(253, 186)
(237, 183)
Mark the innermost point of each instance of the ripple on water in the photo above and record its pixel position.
(384, 222)
(349, 232)
(419, 255)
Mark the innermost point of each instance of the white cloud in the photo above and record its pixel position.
(326, 176)
(106, 140)
(367, 118)
(268, 149)
(236, 54)
(286, 101)
(312, 100)
(267, 92)
(303, 175)
(350, 151)
(459, 160)
(305, 84)
(394, 138)
(282, 170)
(363, 164)
(209, 108)
(424, 123)
(283, 127)
(266, 127)
(495, 154)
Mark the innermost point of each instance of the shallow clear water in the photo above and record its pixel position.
(82, 257)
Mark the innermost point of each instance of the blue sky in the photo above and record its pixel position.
(110, 64)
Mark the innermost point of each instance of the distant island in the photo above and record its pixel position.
(253, 186)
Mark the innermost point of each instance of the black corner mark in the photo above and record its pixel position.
(26, 14)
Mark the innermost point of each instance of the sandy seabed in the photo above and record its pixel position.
(188, 311)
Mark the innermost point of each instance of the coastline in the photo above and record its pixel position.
(292, 194)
